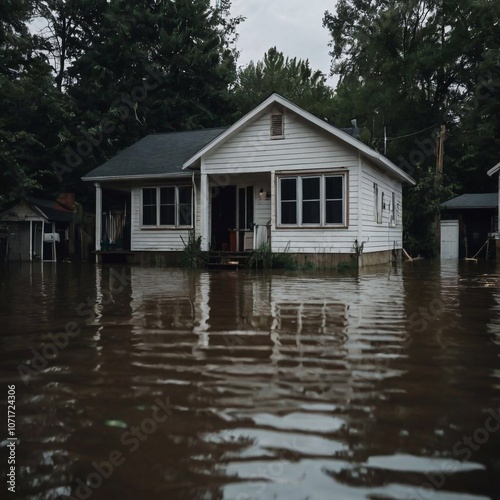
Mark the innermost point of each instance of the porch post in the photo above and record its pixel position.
(31, 240)
(41, 245)
(98, 217)
(204, 212)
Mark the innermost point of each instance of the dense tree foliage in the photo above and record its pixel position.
(82, 79)
(292, 78)
(408, 66)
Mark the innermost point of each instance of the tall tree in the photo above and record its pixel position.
(409, 66)
(29, 106)
(149, 67)
(291, 77)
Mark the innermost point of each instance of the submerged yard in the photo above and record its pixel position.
(135, 382)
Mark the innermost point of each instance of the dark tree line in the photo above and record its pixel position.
(82, 79)
(414, 65)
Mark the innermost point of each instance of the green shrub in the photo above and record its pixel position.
(262, 257)
(193, 256)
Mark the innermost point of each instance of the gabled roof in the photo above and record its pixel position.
(154, 156)
(274, 99)
(468, 201)
(53, 210)
(46, 209)
(494, 169)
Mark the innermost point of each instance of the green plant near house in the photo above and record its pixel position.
(308, 265)
(286, 261)
(261, 258)
(347, 266)
(283, 260)
(193, 256)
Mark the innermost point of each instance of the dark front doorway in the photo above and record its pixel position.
(223, 216)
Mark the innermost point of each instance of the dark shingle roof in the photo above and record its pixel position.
(478, 200)
(157, 154)
(53, 210)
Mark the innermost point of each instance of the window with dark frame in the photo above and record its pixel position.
(393, 209)
(167, 206)
(311, 201)
(288, 200)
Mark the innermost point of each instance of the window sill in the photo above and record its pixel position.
(312, 227)
(166, 228)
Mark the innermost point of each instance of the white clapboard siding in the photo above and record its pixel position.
(163, 240)
(380, 236)
(304, 147)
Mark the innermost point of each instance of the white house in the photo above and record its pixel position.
(278, 175)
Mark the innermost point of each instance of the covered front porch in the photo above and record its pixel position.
(235, 211)
(112, 219)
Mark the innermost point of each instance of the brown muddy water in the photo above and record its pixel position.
(149, 383)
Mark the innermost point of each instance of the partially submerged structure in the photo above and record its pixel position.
(40, 230)
(279, 176)
(467, 221)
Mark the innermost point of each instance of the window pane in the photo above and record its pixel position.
(334, 188)
(335, 212)
(289, 212)
(289, 189)
(310, 212)
(167, 196)
(184, 215)
(310, 188)
(185, 195)
(149, 196)
(149, 215)
(167, 215)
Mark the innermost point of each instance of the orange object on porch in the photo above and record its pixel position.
(233, 240)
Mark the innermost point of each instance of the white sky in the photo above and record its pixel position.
(293, 26)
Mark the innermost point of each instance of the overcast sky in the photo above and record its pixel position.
(293, 26)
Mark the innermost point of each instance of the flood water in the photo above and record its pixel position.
(153, 383)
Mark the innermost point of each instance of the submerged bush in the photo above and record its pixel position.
(262, 257)
(193, 256)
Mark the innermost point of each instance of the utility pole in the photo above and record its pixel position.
(438, 179)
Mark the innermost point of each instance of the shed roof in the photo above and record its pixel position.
(469, 201)
(156, 155)
(53, 210)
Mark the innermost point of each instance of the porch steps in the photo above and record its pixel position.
(227, 260)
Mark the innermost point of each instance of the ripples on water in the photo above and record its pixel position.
(287, 386)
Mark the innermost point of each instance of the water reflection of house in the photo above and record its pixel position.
(43, 230)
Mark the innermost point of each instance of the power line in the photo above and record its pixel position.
(409, 135)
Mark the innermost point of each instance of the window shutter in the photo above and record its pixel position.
(277, 125)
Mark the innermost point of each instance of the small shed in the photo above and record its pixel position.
(467, 222)
(39, 230)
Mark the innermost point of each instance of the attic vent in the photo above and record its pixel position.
(277, 125)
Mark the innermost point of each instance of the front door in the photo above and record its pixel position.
(245, 213)
(223, 216)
